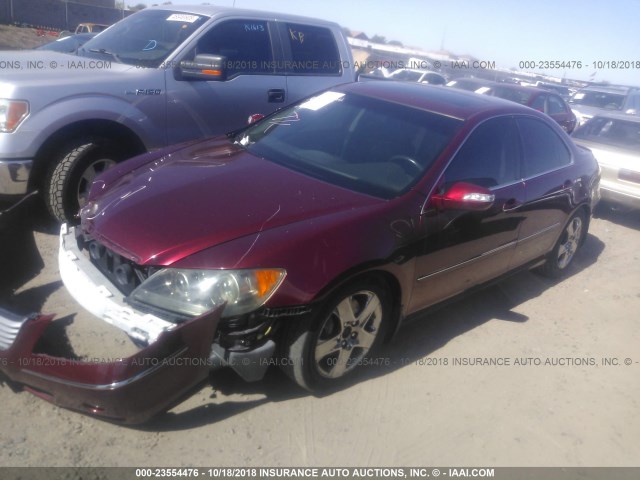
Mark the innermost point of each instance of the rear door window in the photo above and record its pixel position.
(312, 50)
(543, 148)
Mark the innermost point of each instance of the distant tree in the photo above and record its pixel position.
(135, 8)
(378, 39)
(395, 42)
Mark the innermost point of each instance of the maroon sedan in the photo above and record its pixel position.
(539, 99)
(323, 226)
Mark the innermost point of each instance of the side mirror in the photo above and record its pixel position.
(464, 196)
(203, 67)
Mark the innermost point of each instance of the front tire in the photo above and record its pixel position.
(327, 347)
(68, 183)
(567, 246)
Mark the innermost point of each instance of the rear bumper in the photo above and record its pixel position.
(14, 176)
(128, 390)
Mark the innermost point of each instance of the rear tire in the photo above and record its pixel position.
(567, 246)
(327, 347)
(69, 181)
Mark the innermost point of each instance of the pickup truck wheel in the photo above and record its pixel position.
(69, 182)
(566, 247)
(325, 348)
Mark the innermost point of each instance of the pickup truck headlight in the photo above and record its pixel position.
(194, 292)
(12, 113)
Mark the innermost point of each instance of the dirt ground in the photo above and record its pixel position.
(425, 408)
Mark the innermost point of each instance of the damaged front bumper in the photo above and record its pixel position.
(129, 390)
(94, 292)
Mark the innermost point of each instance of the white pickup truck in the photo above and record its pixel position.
(164, 75)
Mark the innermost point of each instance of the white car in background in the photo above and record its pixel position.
(614, 140)
(418, 76)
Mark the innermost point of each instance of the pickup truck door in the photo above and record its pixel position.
(200, 108)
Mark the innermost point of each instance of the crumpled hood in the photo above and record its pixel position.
(206, 194)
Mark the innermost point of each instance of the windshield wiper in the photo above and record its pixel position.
(106, 52)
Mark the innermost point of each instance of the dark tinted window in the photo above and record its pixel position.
(538, 103)
(515, 95)
(543, 149)
(555, 105)
(313, 50)
(245, 44)
(489, 157)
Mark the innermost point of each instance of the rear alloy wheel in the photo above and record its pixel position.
(330, 346)
(69, 182)
(567, 245)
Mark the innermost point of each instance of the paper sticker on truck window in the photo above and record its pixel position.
(182, 17)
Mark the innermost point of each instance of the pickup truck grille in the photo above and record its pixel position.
(10, 325)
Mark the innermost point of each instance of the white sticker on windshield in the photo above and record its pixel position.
(316, 103)
(182, 17)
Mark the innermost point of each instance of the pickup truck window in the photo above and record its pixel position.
(313, 50)
(145, 39)
(245, 45)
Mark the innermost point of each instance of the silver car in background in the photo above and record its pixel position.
(602, 100)
(614, 140)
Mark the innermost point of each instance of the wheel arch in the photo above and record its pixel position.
(380, 275)
(123, 137)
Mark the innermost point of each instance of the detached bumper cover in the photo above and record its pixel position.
(129, 390)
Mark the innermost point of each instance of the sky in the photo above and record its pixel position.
(603, 36)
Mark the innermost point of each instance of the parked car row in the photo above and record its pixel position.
(540, 99)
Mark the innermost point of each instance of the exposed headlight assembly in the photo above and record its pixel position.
(12, 113)
(194, 292)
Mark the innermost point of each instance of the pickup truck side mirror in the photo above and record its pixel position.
(203, 67)
(464, 196)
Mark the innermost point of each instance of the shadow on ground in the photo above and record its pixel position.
(416, 340)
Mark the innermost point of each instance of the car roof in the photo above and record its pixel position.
(217, 11)
(460, 104)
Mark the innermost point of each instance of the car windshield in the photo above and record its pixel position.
(361, 143)
(144, 39)
(611, 101)
(620, 133)
(520, 96)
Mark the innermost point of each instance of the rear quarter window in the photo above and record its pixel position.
(313, 50)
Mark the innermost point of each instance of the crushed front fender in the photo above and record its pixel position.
(129, 390)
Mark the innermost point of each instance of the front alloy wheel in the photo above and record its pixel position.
(347, 334)
(325, 348)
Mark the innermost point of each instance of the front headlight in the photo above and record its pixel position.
(194, 292)
(12, 113)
